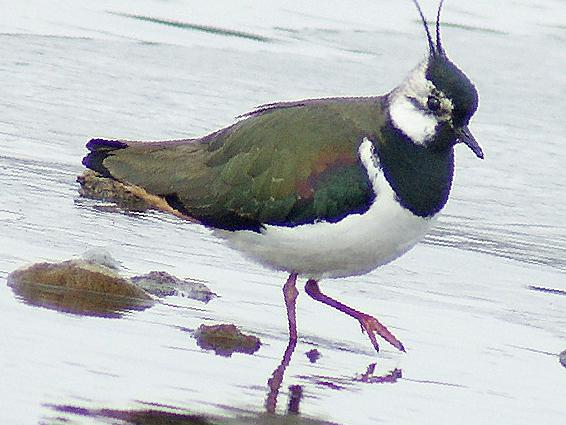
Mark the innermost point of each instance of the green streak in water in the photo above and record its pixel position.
(196, 27)
(465, 27)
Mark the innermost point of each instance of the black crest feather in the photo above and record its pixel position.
(431, 45)
(434, 48)
(439, 47)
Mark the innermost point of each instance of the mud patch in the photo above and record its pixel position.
(226, 339)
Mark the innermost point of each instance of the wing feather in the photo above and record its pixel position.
(284, 164)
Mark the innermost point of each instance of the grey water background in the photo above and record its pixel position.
(481, 344)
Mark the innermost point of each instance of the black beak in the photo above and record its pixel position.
(464, 136)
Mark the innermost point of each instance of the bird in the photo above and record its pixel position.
(317, 188)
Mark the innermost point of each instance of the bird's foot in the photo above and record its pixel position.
(372, 327)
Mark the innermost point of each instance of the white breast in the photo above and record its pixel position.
(355, 245)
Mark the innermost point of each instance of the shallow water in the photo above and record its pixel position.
(482, 345)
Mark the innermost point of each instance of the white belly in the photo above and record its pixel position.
(355, 245)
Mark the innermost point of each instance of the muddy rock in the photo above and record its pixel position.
(94, 186)
(226, 339)
(162, 284)
(78, 286)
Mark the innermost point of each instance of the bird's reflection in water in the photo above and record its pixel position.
(336, 383)
(150, 416)
(274, 383)
(168, 415)
(290, 294)
(295, 397)
(369, 376)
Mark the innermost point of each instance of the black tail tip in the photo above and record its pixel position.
(99, 150)
(105, 145)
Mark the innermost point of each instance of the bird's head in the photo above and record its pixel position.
(435, 103)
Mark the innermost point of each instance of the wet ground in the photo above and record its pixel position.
(480, 305)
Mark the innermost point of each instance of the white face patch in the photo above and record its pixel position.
(414, 122)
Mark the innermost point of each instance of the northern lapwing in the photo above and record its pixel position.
(319, 188)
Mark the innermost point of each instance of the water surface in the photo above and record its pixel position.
(482, 344)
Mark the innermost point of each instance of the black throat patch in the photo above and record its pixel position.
(420, 177)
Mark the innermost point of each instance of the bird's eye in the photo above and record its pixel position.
(433, 103)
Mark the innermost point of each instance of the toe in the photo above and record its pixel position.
(372, 327)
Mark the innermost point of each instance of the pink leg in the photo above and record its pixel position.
(290, 294)
(369, 324)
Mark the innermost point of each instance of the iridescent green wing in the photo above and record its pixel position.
(287, 165)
